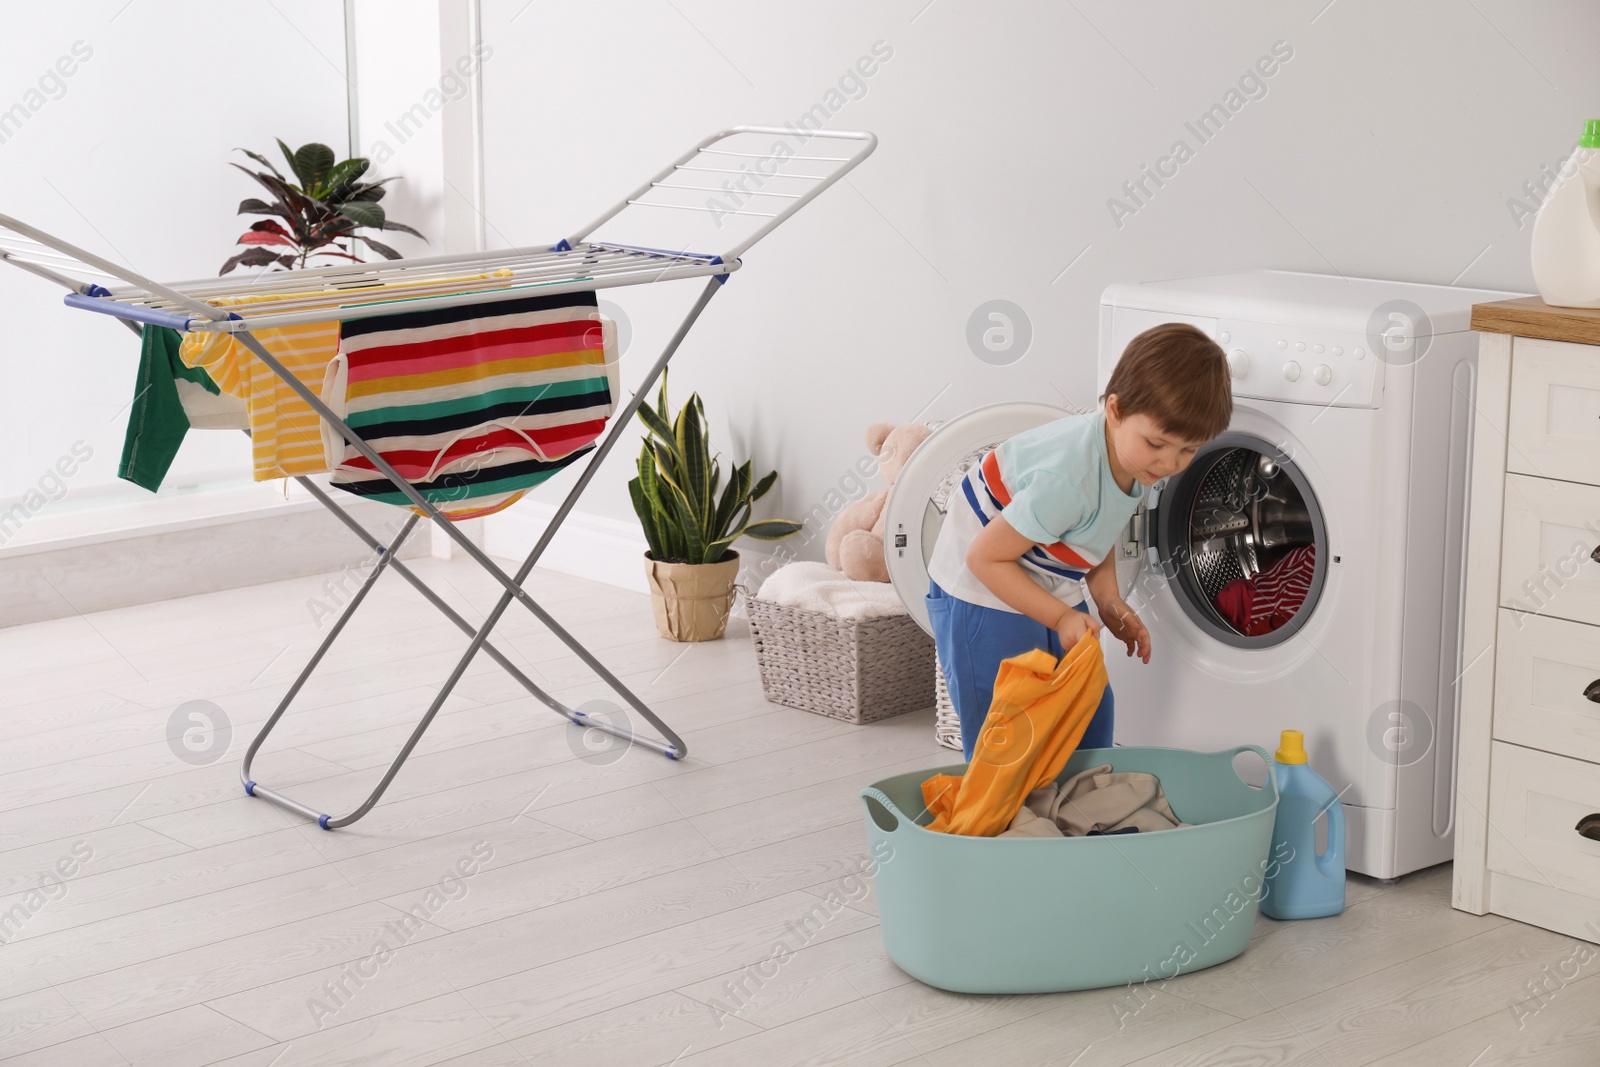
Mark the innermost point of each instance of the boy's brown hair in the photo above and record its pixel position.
(1177, 376)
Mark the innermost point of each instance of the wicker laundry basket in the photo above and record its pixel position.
(856, 670)
(946, 723)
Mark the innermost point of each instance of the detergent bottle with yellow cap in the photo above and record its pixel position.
(1300, 882)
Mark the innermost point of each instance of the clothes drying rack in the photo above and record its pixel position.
(573, 264)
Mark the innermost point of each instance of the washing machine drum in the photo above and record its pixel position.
(1240, 540)
(1237, 537)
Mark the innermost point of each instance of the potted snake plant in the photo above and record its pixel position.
(691, 520)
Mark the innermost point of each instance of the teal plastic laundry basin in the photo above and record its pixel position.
(1043, 915)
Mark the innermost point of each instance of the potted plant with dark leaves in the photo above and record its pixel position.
(691, 520)
(321, 216)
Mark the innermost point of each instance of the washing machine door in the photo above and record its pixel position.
(1238, 539)
(915, 510)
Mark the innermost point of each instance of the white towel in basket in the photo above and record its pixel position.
(818, 587)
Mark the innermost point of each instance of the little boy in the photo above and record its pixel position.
(1037, 518)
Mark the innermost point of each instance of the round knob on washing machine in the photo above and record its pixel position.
(1321, 374)
(1238, 363)
(1291, 371)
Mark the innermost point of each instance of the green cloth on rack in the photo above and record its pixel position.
(157, 422)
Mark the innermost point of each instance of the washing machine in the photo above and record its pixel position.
(1342, 479)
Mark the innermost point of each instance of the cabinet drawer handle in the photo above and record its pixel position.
(1592, 691)
(1589, 826)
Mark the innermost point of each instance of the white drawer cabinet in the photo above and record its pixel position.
(1535, 799)
(1547, 685)
(1528, 749)
(1555, 411)
(1549, 536)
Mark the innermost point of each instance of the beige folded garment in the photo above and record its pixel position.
(1095, 799)
(1027, 823)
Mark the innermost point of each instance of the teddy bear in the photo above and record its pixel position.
(855, 540)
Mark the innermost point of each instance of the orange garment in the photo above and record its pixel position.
(1039, 714)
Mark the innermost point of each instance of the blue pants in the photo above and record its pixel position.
(972, 640)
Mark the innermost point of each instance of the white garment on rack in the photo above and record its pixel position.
(211, 411)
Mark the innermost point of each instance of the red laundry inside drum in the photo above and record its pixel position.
(1260, 605)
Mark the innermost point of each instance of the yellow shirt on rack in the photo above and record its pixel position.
(286, 435)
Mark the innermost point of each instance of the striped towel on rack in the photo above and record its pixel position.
(286, 435)
(472, 405)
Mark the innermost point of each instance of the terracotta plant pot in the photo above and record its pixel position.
(692, 600)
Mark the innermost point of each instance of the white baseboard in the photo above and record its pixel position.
(587, 546)
(160, 560)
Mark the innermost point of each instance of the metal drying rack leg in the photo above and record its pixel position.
(674, 747)
(399, 567)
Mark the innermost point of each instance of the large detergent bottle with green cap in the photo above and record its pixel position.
(1566, 235)
(1302, 883)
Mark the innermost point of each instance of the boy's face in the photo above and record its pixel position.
(1146, 450)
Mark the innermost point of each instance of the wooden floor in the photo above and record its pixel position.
(519, 898)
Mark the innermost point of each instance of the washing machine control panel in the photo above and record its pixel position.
(1269, 361)
(1302, 366)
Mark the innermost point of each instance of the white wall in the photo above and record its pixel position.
(396, 60)
(1392, 143)
(128, 157)
(1388, 145)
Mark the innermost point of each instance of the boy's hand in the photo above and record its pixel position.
(1073, 625)
(1125, 626)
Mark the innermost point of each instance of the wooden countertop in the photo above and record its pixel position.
(1528, 316)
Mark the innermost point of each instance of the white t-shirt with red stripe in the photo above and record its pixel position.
(1053, 485)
